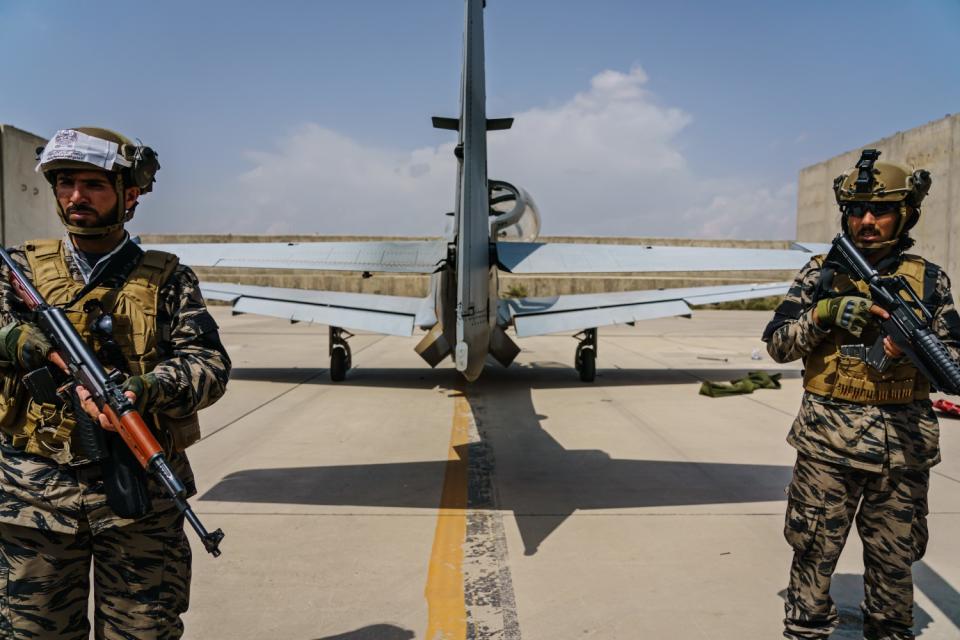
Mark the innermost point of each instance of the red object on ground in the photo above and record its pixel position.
(943, 406)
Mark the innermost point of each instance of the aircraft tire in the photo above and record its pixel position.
(588, 365)
(338, 365)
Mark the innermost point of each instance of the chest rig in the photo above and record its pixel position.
(47, 429)
(829, 372)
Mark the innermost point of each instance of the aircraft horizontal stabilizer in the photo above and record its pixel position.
(450, 124)
(539, 316)
(499, 124)
(453, 124)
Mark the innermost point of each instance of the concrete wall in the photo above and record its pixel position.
(523, 285)
(27, 206)
(934, 146)
(28, 210)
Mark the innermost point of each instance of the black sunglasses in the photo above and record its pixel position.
(859, 209)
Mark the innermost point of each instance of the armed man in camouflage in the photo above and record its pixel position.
(142, 313)
(865, 440)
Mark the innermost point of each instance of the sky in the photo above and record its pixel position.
(688, 118)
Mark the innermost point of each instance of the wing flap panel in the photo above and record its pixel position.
(693, 295)
(392, 315)
(759, 291)
(536, 316)
(390, 324)
(535, 325)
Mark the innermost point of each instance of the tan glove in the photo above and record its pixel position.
(847, 312)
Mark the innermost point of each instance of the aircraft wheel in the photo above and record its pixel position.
(588, 365)
(338, 365)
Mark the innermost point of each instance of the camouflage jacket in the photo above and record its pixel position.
(865, 437)
(36, 491)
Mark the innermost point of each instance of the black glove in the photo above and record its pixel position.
(146, 389)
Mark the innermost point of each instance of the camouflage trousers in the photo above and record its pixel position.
(890, 510)
(141, 576)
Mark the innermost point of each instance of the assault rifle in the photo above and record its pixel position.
(72, 356)
(909, 332)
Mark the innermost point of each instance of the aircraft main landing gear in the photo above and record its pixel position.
(340, 358)
(585, 360)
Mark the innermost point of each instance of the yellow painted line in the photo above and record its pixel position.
(447, 610)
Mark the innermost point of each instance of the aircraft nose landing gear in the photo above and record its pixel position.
(585, 360)
(340, 358)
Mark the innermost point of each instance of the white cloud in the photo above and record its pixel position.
(318, 180)
(605, 162)
(761, 213)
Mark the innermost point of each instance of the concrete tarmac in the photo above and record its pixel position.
(403, 503)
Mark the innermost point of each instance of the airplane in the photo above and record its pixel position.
(494, 228)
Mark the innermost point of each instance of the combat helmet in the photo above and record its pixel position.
(882, 182)
(91, 148)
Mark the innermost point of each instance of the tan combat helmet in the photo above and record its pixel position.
(882, 182)
(92, 148)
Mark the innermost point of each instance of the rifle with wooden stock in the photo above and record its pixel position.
(74, 358)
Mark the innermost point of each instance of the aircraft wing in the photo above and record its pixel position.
(538, 316)
(392, 315)
(557, 257)
(407, 256)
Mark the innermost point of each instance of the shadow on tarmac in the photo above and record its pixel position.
(847, 592)
(533, 476)
(541, 375)
(374, 632)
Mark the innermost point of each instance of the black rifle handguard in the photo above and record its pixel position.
(911, 334)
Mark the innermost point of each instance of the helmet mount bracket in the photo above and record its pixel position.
(865, 179)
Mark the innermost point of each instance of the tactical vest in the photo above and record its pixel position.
(829, 373)
(46, 429)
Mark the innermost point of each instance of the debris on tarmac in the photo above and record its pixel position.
(747, 384)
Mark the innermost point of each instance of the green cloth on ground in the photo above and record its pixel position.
(753, 380)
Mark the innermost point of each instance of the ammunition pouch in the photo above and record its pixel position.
(859, 382)
(46, 431)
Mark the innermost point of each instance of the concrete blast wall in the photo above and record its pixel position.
(934, 146)
(27, 206)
